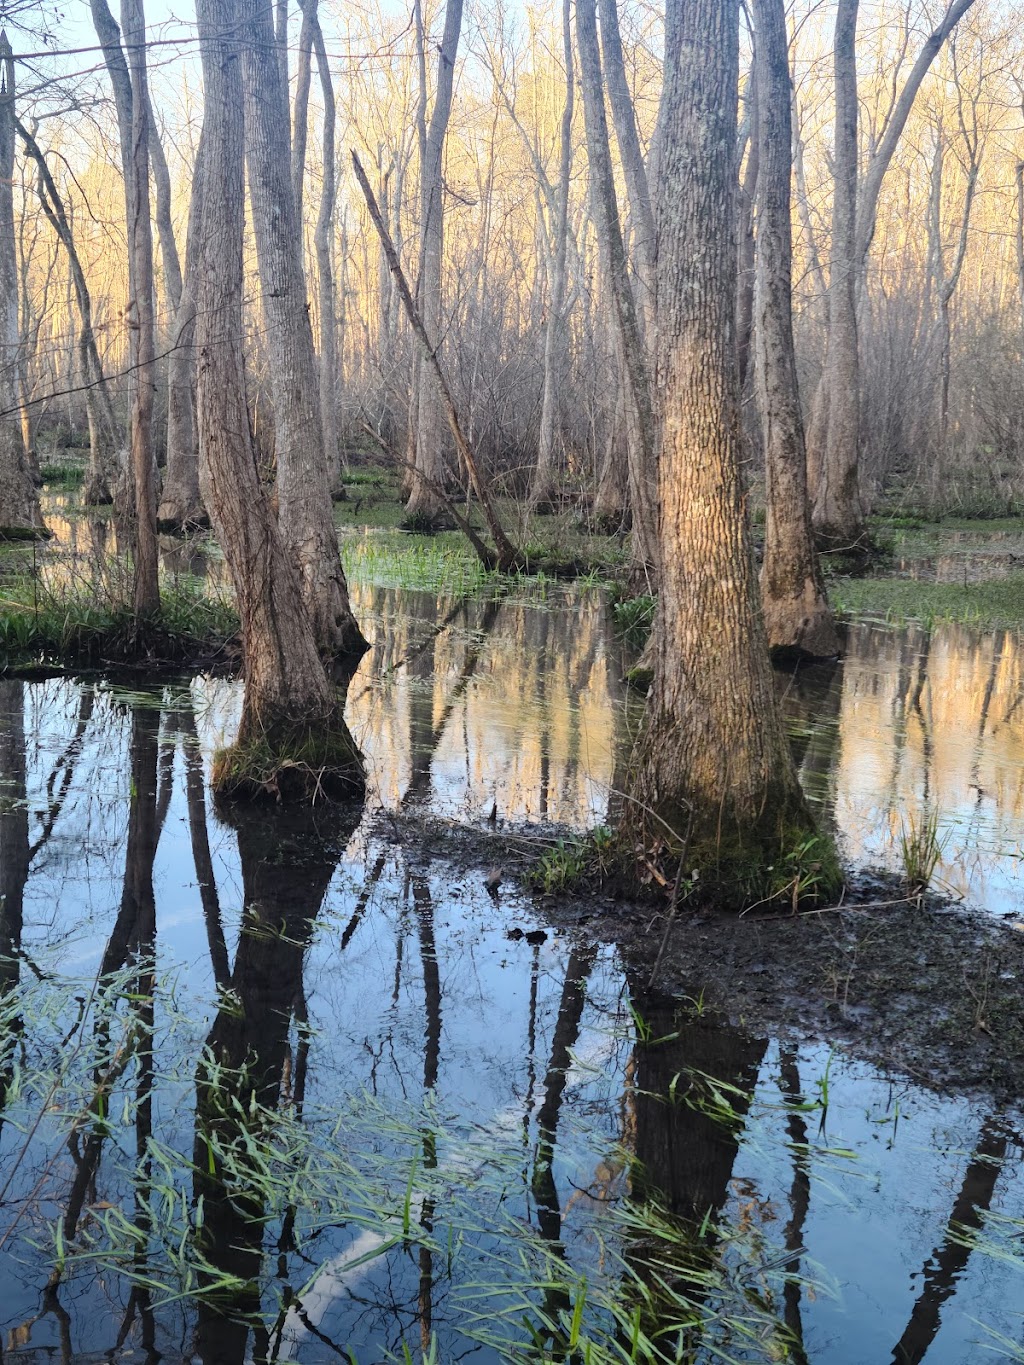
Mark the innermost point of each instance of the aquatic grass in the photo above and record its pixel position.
(921, 847)
(634, 619)
(416, 563)
(88, 619)
(894, 601)
(635, 1274)
(63, 473)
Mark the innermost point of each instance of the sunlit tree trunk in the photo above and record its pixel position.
(713, 777)
(19, 502)
(796, 611)
(292, 737)
(305, 510)
(424, 506)
(140, 239)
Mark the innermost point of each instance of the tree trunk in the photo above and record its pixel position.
(329, 360)
(121, 85)
(103, 426)
(425, 508)
(140, 308)
(796, 610)
(639, 413)
(542, 488)
(292, 739)
(748, 192)
(181, 507)
(305, 512)
(713, 777)
(19, 503)
(641, 210)
(838, 511)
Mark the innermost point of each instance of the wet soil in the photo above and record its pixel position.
(931, 990)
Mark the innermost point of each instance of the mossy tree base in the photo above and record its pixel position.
(728, 861)
(291, 761)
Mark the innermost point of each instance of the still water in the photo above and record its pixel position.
(301, 1089)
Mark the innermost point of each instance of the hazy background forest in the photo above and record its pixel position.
(940, 306)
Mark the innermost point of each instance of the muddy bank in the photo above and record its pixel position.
(933, 991)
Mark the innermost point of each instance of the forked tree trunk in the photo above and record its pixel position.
(796, 610)
(713, 777)
(140, 240)
(19, 503)
(292, 737)
(305, 510)
(425, 507)
(181, 506)
(834, 432)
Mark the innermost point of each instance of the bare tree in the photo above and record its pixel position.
(834, 451)
(181, 506)
(19, 503)
(796, 610)
(640, 424)
(425, 506)
(542, 488)
(104, 462)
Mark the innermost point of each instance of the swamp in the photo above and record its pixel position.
(511, 682)
(365, 1080)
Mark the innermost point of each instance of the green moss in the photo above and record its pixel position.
(292, 761)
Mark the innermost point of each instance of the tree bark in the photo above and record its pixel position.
(103, 426)
(329, 360)
(713, 778)
(19, 503)
(292, 737)
(748, 193)
(424, 507)
(641, 210)
(305, 511)
(838, 512)
(639, 412)
(542, 488)
(140, 307)
(796, 610)
(181, 506)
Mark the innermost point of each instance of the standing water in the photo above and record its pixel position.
(305, 1089)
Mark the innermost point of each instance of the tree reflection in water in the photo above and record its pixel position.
(253, 1062)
